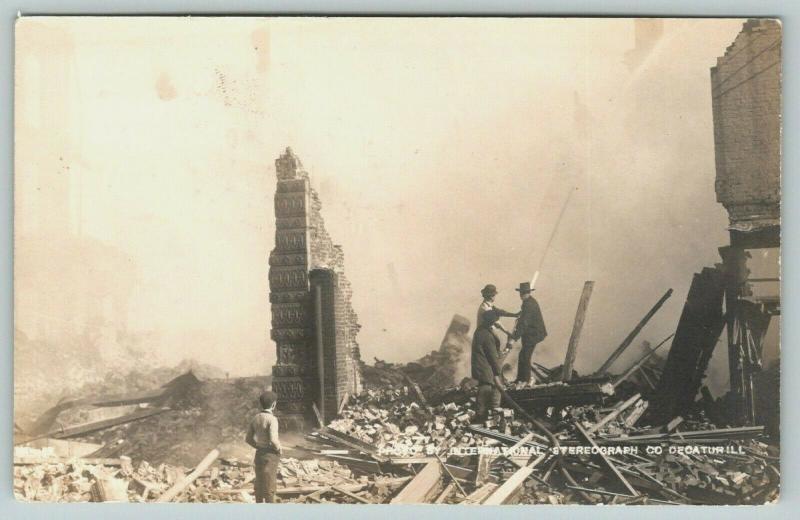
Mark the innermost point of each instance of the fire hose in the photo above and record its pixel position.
(553, 440)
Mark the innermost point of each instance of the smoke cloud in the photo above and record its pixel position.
(443, 151)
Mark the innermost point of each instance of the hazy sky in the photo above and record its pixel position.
(443, 150)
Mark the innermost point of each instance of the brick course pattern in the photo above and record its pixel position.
(301, 245)
(341, 365)
(746, 101)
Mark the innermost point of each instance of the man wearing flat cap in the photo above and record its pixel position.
(530, 328)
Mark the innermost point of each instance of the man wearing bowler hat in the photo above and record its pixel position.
(488, 293)
(530, 328)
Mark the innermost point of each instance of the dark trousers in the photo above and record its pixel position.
(266, 463)
(488, 397)
(524, 363)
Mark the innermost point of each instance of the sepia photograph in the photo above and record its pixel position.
(397, 260)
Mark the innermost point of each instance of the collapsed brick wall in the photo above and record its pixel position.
(303, 244)
(746, 101)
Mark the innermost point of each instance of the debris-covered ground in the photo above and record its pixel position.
(410, 437)
(394, 444)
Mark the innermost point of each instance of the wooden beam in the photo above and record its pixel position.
(318, 415)
(646, 378)
(315, 496)
(636, 414)
(26, 461)
(448, 490)
(523, 441)
(350, 494)
(342, 403)
(577, 327)
(480, 494)
(721, 433)
(421, 486)
(605, 460)
(344, 439)
(629, 339)
(82, 429)
(621, 407)
(170, 494)
(673, 424)
(506, 492)
(636, 366)
(452, 478)
(302, 490)
(482, 470)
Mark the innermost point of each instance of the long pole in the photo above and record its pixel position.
(577, 327)
(641, 362)
(628, 340)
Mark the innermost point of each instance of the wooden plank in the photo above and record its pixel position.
(522, 442)
(480, 494)
(353, 488)
(82, 429)
(350, 494)
(621, 407)
(27, 461)
(482, 469)
(506, 439)
(318, 415)
(673, 424)
(605, 460)
(636, 413)
(452, 478)
(338, 437)
(421, 486)
(183, 483)
(316, 495)
(599, 492)
(629, 339)
(342, 403)
(639, 364)
(448, 490)
(646, 378)
(506, 492)
(577, 327)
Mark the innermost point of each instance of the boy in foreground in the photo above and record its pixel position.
(262, 434)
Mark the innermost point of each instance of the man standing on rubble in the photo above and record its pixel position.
(262, 434)
(530, 327)
(485, 365)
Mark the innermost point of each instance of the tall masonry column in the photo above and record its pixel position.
(299, 313)
(292, 318)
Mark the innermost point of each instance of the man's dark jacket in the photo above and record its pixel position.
(530, 326)
(485, 357)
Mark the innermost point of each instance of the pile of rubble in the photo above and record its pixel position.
(412, 437)
(227, 480)
(573, 454)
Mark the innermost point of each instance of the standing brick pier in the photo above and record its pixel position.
(314, 326)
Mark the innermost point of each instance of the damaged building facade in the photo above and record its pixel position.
(314, 325)
(746, 101)
(739, 297)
